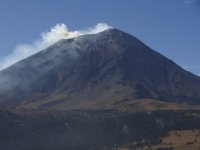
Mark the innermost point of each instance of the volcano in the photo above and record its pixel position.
(100, 71)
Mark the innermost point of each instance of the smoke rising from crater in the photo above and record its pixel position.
(58, 32)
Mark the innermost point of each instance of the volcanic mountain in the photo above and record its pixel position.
(108, 70)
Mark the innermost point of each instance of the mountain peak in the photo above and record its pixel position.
(97, 70)
(112, 31)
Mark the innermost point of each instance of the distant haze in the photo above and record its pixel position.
(56, 33)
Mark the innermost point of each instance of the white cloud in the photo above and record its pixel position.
(58, 32)
(98, 28)
(191, 67)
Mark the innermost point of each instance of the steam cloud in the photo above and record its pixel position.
(58, 32)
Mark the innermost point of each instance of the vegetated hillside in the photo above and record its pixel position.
(96, 70)
(97, 130)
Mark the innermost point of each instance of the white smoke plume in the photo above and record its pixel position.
(58, 32)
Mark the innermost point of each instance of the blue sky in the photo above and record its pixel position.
(170, 27)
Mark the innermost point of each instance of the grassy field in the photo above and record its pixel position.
(176, 140)
(181, 140)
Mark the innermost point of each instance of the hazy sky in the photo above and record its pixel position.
(171, 27)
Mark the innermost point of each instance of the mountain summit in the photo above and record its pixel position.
(107, 70)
